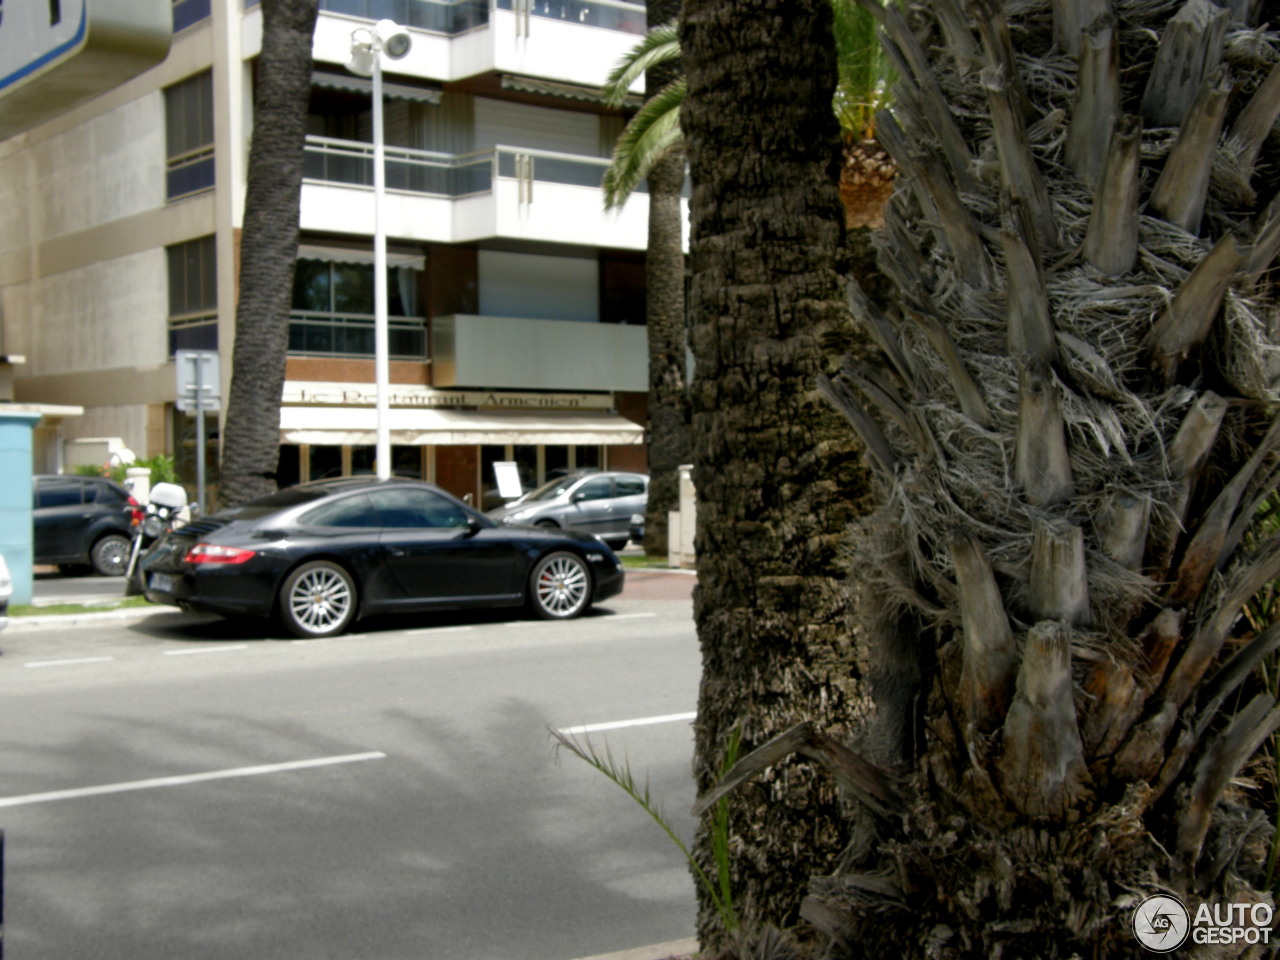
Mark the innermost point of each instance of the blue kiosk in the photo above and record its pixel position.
(18, 423)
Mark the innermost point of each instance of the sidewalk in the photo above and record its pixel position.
(675, 950)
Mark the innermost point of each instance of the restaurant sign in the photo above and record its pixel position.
(301, 392)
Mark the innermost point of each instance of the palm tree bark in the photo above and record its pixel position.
(777, 475)
(665, 316)
(268, 251)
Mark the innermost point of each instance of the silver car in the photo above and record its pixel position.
(599, 503)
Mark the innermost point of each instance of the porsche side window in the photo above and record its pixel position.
(355, 511)
(407, 508)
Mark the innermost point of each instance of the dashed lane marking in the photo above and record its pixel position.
(68, 662)
(186, 779)
(621, 724)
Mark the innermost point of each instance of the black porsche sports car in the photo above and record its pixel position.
(319, 555)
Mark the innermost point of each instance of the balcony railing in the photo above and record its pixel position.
(452, 17)
(449, 175)
(448, 17)
(351, 335)
(618, 15)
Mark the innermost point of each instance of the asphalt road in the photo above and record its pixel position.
(181, 788)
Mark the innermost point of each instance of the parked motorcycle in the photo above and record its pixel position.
(167, 509)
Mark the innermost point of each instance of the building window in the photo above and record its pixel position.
(189, 12)
(193, 295)
(188, 110)
(332, 311)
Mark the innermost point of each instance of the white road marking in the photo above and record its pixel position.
(613, 616)
(620, 724)
(423, 630)
(67, 663)
(187, 653)
(185, 779)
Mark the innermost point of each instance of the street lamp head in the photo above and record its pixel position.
(395, 39)
(363, 52)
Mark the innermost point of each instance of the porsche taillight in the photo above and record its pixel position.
(215, 553)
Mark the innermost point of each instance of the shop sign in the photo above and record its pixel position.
(407, 395)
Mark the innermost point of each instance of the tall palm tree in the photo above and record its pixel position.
(652, 147)
(778, 475)
(1073, 438)
(664, 272)
(268, 250)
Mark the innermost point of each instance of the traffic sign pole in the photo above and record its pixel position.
(198, 379)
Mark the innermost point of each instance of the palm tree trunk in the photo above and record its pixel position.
(777, 476)
(268, 251)
(665, 316)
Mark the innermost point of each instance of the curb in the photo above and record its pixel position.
(127, 615)
(657, 951)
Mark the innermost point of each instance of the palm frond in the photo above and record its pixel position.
(621, 776)
(651, 134)
(660, 45)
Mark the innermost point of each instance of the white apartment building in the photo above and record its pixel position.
(516, 301)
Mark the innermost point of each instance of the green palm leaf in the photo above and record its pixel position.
(651, 134)
(660, 45)
(862, 90)
(865, 73)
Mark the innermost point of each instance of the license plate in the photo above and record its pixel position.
(162, 582)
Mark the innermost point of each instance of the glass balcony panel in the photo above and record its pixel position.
(435, 16)
(415, 171)
(621, 16)
(577, 173)
(341, 335)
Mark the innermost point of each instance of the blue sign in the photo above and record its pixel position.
(56, 54)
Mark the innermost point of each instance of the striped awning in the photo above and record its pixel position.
(357, 426)
(397, 91)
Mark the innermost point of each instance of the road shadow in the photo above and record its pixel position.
(454, 847)
(183, 627)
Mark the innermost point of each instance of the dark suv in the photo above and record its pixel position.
(84, 520)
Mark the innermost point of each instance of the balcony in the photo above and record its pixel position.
(522, 354)
(573, 42)
(506, 192)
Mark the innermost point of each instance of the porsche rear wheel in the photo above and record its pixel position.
(318, 600)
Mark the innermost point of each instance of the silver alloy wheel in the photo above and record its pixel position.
(318, 600)
(110, 555)
(561, 586)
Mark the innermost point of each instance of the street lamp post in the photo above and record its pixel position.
(368, 45)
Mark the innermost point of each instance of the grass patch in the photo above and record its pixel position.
(30, 610)
(634, 562)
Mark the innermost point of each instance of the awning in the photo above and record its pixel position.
(396, 91)
(357, 426)
(552, 88)
(312, 251)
